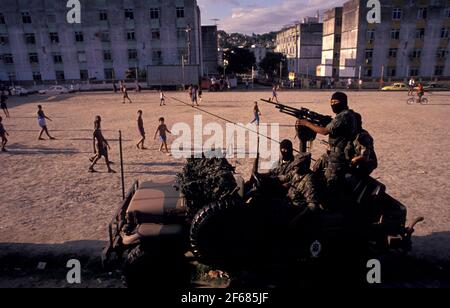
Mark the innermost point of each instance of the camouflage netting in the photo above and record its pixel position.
(204, 181)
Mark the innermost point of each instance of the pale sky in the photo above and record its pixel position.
(260, 16)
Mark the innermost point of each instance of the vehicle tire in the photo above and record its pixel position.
(424, 101)
(218, 233)
(410, 101)
(143, 268)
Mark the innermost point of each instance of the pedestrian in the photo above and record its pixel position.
(246, 84)
(194, 96)
(137, 87)
(125, 95)
(162, 98)
(114, 87)
(200, 95)
(257, 114)
(140, 123)
(43, 124)
(162, 130)
(3, 134)
(101, 147)
(274, 93)
(3, 105)
(349, 83)
(411, 84)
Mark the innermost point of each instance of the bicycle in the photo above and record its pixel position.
(415, 99)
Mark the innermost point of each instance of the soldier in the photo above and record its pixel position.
(361, 152)
(341, 131)
(304, 189)
(285, 164)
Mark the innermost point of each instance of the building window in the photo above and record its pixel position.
(2, 19)
(368, 72)
(60, 75)
(57, 58)
(107, 56)
(131, 36)
(447, 12)
(444, 33)
(154, 13)
(422, 13)
(391, 72)
(30, 39)
(103, 15)
(156, 34)
(84, 74)
(11, 76)
(51, 18)
(395, 34)
(393, 53)
(129, 14)
(441, 53)
(157, 57)
(370, 36)
(37, 76)
(79, 37)
(416, 53)
(438, 70)
(82, 57)
(369, 56)
(26, 18)
(4, 40)
(109, 74)
(180, 12)
(132, 54)
(420, 33)
(34, 59)
(8, 58)
(54, 37)
(396, 14)
(181, 33)
(104, 37)
(414, 72)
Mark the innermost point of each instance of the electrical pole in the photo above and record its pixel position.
(188, 32)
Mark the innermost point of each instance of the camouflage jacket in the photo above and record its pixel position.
(304, 189)
(282, 168)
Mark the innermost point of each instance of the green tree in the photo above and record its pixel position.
(240, 60)
(271, 64)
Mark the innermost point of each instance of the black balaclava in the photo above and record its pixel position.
(287, 145)
(343, 105)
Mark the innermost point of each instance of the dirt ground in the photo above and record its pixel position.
(48, 198)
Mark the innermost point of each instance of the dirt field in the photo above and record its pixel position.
(48, 197)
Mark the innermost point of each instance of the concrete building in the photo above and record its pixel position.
(210, 47)
(260, 53)
(411, 40)
(331, 43)
(302, 46)
(116, 39)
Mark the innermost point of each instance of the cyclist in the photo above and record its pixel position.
(420, 92)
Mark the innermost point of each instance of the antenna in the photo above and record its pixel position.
(215, 20)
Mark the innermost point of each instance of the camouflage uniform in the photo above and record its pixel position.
(303, 190)
(363, 146)
(343, 130)
(282, 168)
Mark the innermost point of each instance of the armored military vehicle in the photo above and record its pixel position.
(217, 219)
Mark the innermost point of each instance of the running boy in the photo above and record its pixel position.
(162, 130)
(3, 134)
(3, 105)
(274, 94)
(256, 113)
(125, 95)
(101, 150)
(162, 98)
(42, 123)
